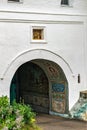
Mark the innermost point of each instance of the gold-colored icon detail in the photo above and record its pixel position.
(37, 34)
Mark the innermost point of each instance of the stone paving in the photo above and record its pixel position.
(49, 122)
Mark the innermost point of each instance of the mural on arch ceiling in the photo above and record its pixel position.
(59, 85)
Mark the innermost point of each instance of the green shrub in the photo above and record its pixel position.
(4, 101)
(16, 116)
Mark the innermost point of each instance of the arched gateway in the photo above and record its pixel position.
(42, 84)
(37, 78)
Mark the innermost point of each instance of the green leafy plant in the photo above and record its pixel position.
(17, 116)
(25, 111)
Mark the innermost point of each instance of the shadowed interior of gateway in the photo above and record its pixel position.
(42, 84)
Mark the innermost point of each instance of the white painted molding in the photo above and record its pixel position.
(42, 21)
(32, 11)
(36, 50)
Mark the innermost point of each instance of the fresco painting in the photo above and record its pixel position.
(58, 106)
(58, 98)
(58, 87)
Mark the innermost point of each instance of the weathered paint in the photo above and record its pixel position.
(58, 87)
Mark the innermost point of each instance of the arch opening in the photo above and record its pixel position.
(42, 84)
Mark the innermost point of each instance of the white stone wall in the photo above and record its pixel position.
(66, 36)
(75, 6)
